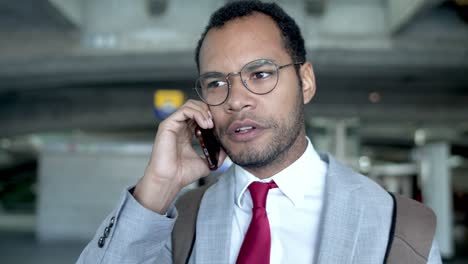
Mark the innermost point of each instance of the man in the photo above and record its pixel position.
(254, 82)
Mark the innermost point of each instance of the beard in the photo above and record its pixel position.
(285, 133)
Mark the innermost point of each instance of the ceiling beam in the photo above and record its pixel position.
(315, 7)
(402, 12)
(71, 10)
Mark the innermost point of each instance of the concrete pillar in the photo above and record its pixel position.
(437, 191)
(340, 140)
(338, 137)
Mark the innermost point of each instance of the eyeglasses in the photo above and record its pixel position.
(259, 77)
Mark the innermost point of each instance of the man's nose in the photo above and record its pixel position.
(239, 97)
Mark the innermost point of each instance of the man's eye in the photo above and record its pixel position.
(260, 75)
(215, 84)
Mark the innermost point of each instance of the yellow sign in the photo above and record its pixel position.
(166, 102)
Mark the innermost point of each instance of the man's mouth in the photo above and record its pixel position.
(244, 129)
(243, 126)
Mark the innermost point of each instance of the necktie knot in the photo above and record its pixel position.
(259, 192)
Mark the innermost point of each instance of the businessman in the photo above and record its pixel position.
(281, 201)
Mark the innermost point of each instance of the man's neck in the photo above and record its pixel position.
(282, 161)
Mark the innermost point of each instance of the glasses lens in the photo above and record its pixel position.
(260, 76)
(212, 88)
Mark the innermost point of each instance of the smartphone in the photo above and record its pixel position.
(209, 145)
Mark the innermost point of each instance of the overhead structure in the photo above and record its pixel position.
(100, 62)
(401, 12)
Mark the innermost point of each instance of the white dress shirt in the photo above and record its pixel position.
(293, 209)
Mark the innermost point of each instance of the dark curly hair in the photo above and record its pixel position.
(291, 34)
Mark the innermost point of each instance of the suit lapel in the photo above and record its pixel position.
(213, 235)
(341, 216)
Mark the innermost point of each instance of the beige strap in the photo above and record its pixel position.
(183, 234)
(415, 226)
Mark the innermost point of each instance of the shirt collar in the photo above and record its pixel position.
(305, 176)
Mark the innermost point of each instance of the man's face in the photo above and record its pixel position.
(254, 130)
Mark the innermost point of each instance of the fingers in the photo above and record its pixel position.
(201, 117)
(194, 110)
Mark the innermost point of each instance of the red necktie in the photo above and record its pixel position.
(257, 242)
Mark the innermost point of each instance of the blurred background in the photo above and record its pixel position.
(84, 84)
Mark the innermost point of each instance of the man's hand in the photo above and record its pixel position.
(174, 164)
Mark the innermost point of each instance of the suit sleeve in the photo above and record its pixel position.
(434, 254)
(131, 234)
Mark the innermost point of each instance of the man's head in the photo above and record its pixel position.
(265, 132)
(292, 38)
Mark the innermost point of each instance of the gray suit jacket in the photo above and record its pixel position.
(354, 229)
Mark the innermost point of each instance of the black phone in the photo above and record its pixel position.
(209, 145)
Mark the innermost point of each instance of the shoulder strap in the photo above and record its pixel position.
(412, 231)
(183, 233)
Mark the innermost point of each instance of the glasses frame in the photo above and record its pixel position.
(226, 76)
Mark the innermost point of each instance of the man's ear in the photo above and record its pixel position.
(308, 81)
